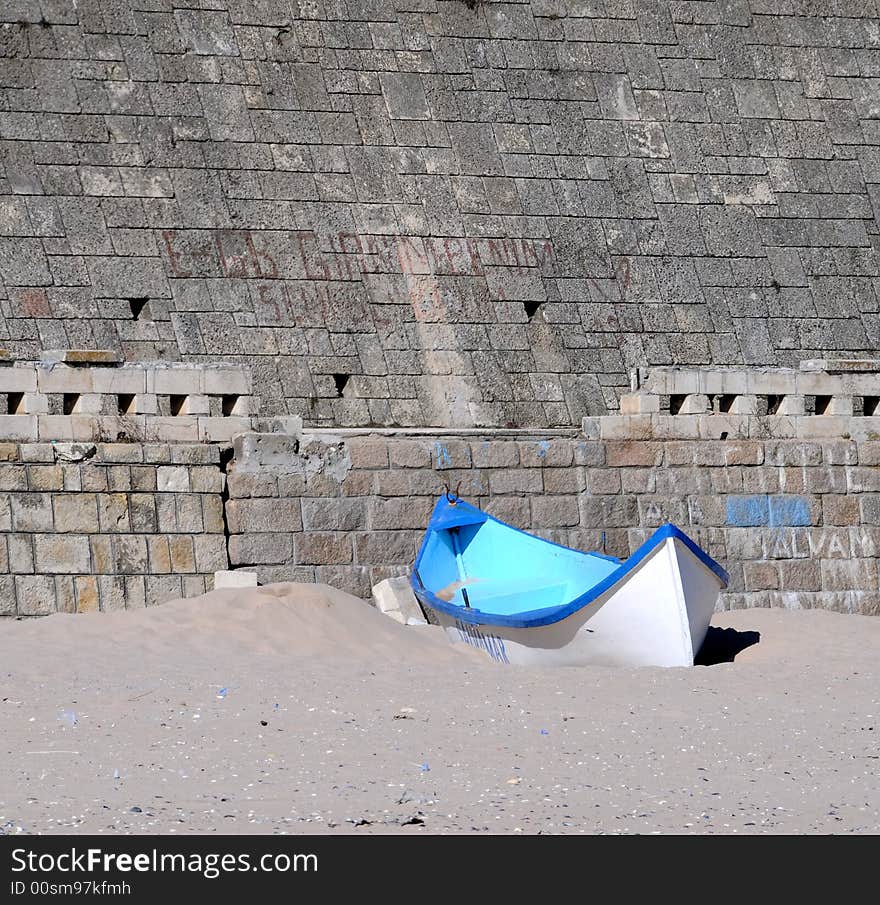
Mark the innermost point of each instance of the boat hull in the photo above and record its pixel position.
(657, 615)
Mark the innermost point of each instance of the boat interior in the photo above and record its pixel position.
(494, 568)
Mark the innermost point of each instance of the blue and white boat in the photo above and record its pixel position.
(528, 601)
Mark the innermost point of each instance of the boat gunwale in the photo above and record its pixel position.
(551, 615)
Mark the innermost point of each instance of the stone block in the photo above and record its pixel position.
(386, 547)
(244, 484)
(76, 513)
(334, 514)
(226, 381)
(86, 597)
(113, 514)
(367, 453)
(678, 427)
(35, 595)
(188, 507)
(772, 382)
(61, 553)
(555, 512)
(45, 477)
(161, 588)
(591, 428)
(760, 576)
(516, 480)
(395, 598)
(172, 479)
(639, 404)
(622, 427)
(20, 428)
(451, 454)
(609, 512)
(115, 381)
(816, 383)
(513, 510)
(399, 513)
(20, 553)
(263, 516)
(64, 379)
(158, 554)
(821, 426)
(323, 548)
(206, 479)
(489, 454)
(221, 430)
(180, 549)
(179, 429)
(142, 511)
(849, 575)
(102, 554)
(722, 382)
(634, 453)
(212, 514)
(130, 554)
(13, 477)
(18, 380)
(32, 512)
(210, 552)
(799, 575)
(237, 578)
(54, 428)
(261, 549)
(409, 454)
(7, 596)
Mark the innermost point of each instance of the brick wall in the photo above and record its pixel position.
(436, 212)
(796, 523)
(106, 526)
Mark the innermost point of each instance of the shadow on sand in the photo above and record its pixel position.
(723, 644)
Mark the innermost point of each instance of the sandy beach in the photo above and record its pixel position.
(300, 709)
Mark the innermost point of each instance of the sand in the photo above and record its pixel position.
(300, 709)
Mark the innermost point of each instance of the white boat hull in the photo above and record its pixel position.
(656, 615)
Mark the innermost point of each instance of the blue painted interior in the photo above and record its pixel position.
(514, 578)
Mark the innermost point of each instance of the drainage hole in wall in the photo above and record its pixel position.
(870, 405)
(69, 403)
(15, 404)
(177, 404)
(341, 380)
(725, 402)
(676, 401)
(531, 308)
(774, 403)
(125, 403)
(138, 307)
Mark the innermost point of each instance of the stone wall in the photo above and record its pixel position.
(107, 526)
(433, 212)
(796, 523)
(774, 472)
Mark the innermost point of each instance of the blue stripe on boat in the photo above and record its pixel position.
(467, 521)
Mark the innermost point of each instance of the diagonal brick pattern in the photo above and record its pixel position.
(433, 212)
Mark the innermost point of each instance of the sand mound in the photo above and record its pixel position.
(285, 620)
